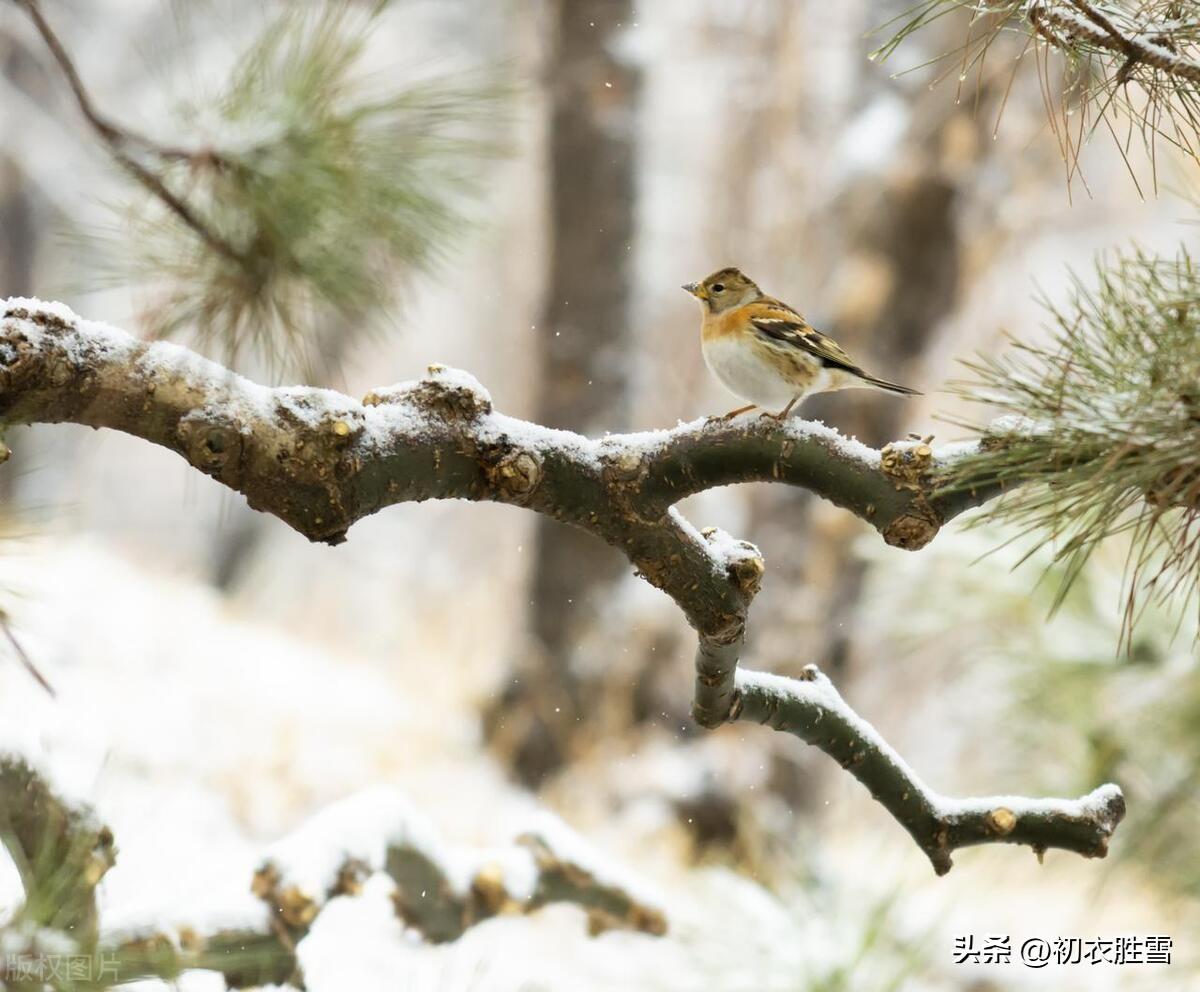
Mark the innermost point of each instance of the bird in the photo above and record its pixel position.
(766, 353)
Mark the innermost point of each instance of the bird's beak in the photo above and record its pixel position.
(696, 290)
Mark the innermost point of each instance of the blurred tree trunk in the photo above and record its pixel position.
(20, 229)
(903, 238)
(585, 350)
(20, 223)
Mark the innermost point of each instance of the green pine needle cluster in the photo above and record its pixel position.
(1103, 432)
(321, 187)
(1129, 67)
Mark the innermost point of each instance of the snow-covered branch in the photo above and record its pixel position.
(320, 460)
(372, 838)
(437, 889)
(1065, 25)
(812, 709)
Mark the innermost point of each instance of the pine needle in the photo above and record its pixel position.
(1131, 61)
(324, 184)
(1103, 432)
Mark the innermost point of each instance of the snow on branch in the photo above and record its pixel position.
(61, 851)
(1105, 47)
(440, 890)
(812, 709)
(1074, 22)
(320, 460)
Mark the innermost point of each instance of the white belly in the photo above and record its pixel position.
(747, 376)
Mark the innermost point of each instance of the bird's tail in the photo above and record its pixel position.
(891, 387)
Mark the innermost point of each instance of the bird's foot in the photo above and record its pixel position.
(726, 417)
(782, 415)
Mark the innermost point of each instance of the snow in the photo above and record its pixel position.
(569, 846)
(27, 936)
(1094, 804)
(951, 451)
(188, 981)
(93, 336)
(849, 447)
(726, 547)
(1015, 424)
(358, 943)
(523, 434)
(718, 561)
(819, 691)
(361, 827)
(458, 379)
(312, 406)
(394, 418)
(51, 307)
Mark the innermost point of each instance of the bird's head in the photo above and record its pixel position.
(725, 288)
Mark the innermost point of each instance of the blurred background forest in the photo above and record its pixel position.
(220, 679)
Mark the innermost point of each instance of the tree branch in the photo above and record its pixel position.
(441, 892)
(319, 460)
(1078, 20)
(811, 709)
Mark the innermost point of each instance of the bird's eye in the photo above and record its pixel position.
(718, 287)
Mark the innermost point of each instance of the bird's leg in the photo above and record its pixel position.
(733, 413)
(782, 414)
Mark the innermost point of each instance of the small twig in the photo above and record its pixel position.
(117, 138)
(24, 658)
(1102, 21)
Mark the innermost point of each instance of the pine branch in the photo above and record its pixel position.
(1102, 436)
(61, 852)
(1105, 48)
(119, 140)
(320, 460)
(316, 192)
(1149, 45)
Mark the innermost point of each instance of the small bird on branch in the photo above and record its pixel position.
(765, 352)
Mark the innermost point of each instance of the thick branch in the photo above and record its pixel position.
(320, 460)
(812, 709)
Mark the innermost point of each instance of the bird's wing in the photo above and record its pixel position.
(778, 322)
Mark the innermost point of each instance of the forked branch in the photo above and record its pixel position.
(320, 460)
(811, 708)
